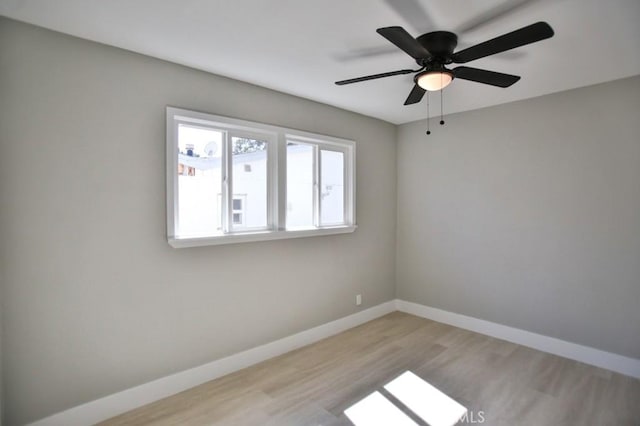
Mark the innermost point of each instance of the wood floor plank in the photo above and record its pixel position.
(499, 382)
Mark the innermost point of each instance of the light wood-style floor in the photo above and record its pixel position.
(510, 384)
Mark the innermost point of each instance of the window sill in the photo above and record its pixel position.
(258, 236)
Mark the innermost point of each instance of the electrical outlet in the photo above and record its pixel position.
(358, 299)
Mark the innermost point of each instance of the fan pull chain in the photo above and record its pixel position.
(428, 131)
(441, 102)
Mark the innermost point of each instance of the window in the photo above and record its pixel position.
(300, 185)
(231, 180)
(315, 184)
(331, 187)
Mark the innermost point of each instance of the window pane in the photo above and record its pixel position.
(299, 185)
(331, 187)
(199, 181)
(249, 162)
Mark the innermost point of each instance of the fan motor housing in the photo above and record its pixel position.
(440, 44)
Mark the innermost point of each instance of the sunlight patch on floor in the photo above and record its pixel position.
(423, 399)
(427, 401)
(375, 409)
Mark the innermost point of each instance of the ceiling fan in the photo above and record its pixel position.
(434, 50)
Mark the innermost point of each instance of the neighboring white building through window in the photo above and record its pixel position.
(231, 180)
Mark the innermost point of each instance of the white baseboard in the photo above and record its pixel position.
(610, 361)
(121, 402)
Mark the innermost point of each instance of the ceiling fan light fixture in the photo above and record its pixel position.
(433, 81)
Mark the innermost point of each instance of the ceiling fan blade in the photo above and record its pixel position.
(495, 12)
(412, 12)
(401, 38)
(484, 76)
(373, 77)
(523, 36)
(415, 96)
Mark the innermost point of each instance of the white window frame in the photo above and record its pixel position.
(276, 138)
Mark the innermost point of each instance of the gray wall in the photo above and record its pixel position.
(95, 301)
(528, 215)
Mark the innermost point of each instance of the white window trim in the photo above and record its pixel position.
(277, 138)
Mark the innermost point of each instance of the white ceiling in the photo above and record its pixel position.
(301, 47)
